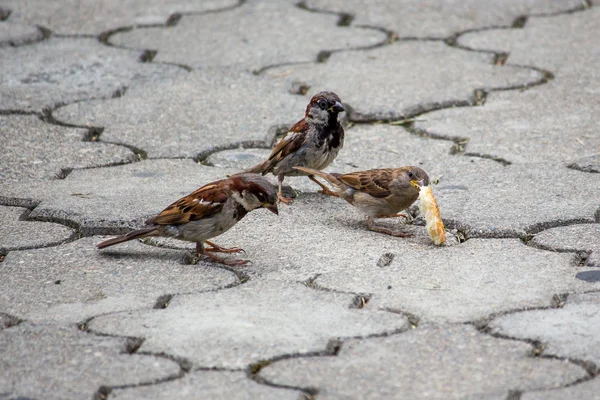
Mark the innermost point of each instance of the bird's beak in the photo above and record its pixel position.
(417, 184)
(337, 107)
(272, 208)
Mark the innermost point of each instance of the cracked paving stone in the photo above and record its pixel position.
(76, 281)
(586, 390)
(414, 78)
(34, 149)
(92, 17)
(446, 362)
(16, 234)
(439, 18)
(587, 163)
(49, 361)
(463, 283)
(208, 385)
(17, 34)
(568, 332)
(249, 323)
(60, 70)
(564, 128)
(144, 189)
(252, 36)
(584, 237)
(196, 114)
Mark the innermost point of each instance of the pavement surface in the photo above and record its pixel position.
(111, 110)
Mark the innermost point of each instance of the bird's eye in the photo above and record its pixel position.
(410, 174)
(323, 104)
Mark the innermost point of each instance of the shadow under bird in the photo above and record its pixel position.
(313, 142)
(379, 193)
(208, 212)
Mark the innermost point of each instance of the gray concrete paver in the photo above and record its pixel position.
(563, 128)
(586, 390)
(464, 283)
(49, 361)
(92, 17)
(569, 332)
(34, 149)
(12, 34)
(75, 281)
(64, 70)
(197, 113)
(218, 385)
(419, 76)
(424, 363)
(249, 323)
(17, 234)
(439, 18)
(584, 237)
(258, 34)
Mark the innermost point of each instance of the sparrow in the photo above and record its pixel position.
(313, 142)
(208, 212)
(379, 193)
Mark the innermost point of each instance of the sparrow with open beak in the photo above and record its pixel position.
(379, 193)
(314, 142)
(208, 212)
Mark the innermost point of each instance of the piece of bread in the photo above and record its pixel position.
(431, 212)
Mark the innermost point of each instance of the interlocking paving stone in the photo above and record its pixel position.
(587, 163)
(570, 331)
(208, 385)
(16, 234)
(251, 37)
(49, 361)
(564, 127)
(585, 237)
(61, 70)
(92, 17)
(543, 42)
(258, 320)
(414, 80)
(197, 113)
(102, 200)
(17, 34)
(585, 390)
(463, 283)
(76, 281)
(439, 18)
(34, 149)
(432, 362)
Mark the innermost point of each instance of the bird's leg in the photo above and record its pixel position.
(391, 216)
(372, 227)
(218, 249)
(280, 195)
(201, 251)
(325, 190)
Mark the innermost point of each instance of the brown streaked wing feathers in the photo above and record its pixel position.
(190, 207)
(290, 143)
(374, 182)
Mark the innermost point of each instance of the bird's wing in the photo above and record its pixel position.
(290, 142)
(203, 203)
(375, 182)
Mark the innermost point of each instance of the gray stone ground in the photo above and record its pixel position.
(110, 110)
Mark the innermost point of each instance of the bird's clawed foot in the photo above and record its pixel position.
(283, 199)
(324, 189)
(375, 228)
(215, 248)
(225, 261)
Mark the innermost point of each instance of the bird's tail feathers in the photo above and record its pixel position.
(262, 168)
(331, 178)
(140, 233)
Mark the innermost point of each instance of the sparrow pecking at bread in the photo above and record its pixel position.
(379, 193)
(313, 142)
(208, 212)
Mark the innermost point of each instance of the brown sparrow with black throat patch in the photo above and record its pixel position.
(314, 142)
(379, 193)
(208, 212)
